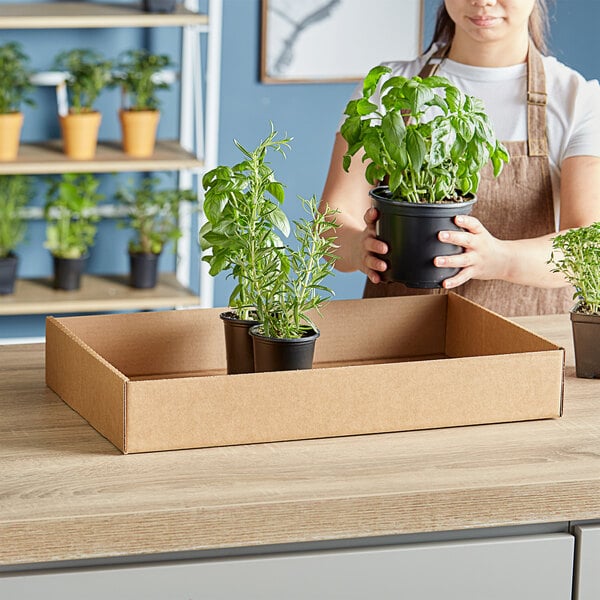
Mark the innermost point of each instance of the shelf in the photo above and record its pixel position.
(47, 157)
(97, 294)
(71, 15)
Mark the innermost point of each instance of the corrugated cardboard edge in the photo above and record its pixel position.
(94, 388)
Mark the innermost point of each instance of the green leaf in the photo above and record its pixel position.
(415, 147)
(280, 220)
(394, 131)
(372, 79)
(277, 190)
(351, 129)
(365, 107)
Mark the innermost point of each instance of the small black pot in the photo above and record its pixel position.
(143, 270)
(8, 273)
(586, 340)
(276, 354)
(67, 272)
(238, 344)
(160, 6)
(410, 230)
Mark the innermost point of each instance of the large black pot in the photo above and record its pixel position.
(143, 270)
(238, 344)
(160, 6)
(67, 272)
(411, 232)
(276, 354)
(8, 273)
(586, 340)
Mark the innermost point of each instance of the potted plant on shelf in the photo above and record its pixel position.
(242, 208)
(71, 216)
(140, 79)
(294, 285)
(576, 254)
(153, 215)
(14, 91)
(88, 74)
(431, 165)
(15, 193)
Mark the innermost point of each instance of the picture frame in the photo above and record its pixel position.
(317, 41)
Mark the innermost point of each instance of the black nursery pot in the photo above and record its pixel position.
(276, 354)
(8, 273)
(160, 6)
(238, 344)
(67, 272)
(586, 340)
(143, 270)
(410, 230)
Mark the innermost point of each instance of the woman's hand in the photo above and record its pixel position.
(369, 246)
(485, 257)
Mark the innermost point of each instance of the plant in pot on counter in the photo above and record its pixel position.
(153, 216)
(244, 219)
(88, 74)
(294, 286)
(15, 193)
(576, 254)
(139, 75)
(14, 91)
(428, 142)
(71, 216)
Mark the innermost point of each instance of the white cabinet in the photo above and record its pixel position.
(587, 572)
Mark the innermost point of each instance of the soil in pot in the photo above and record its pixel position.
(276, 354)
(160, 6)
(67, 272)
(411, 232)
(8, 273)
(10, 135)
(586, 340)
(238, 343)
(143, 270)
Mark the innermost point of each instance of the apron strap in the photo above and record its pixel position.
(537, 139)
(435, 60)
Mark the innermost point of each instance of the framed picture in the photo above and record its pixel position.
(336, 40)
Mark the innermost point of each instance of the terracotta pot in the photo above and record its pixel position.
(80, 134)
(10, 135)
(139, 131)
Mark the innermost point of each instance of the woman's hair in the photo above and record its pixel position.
(538, 26)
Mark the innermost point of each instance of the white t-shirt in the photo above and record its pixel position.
(572, 113)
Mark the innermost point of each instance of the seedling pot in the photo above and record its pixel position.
(143, 272)
(8, 273)
(10, 135)
(410, 230)
(80, 134)
(238, 344)
(586, 340)
(67, 272)
(160, 6)
(138, 129)
(276, 354)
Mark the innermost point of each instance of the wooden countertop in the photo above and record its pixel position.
(66, 493)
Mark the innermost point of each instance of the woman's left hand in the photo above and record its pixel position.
(484, 256)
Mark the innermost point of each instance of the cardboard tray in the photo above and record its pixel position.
(157, 381)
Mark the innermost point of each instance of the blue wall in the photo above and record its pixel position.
(307, 112)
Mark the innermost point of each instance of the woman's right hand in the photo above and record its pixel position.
(370, 246)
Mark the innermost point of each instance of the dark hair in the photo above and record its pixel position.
(538, 26)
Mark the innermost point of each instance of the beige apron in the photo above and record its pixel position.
(516, 205)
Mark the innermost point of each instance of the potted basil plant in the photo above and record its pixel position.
(15, 194)
(71, 215)
(152, 214)
(244, 220)
(428, 142)
(576, 254)
(14, 91)
(88, 74)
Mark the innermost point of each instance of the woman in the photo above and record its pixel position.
(548, 117)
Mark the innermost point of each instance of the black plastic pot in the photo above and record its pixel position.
(586, 340)
(67, 272)
(8, 273)
(276, 354)
(143, 270)
(238, 344)
(160, 6)
(410, 230)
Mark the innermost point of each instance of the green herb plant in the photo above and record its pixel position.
(576, 254)
(242, 207)
(16, 86)
(138, 77)
(428, 141)
(15, 193)
(88, 74)
(71, 214)
(153, 214)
